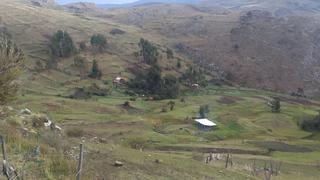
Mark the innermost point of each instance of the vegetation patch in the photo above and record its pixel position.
(75, 132)
(311, 125)
(209, 149)
(280, 146)
(116, 31)
(302, 101)
(228, 100)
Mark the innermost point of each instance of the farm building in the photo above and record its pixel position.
(119, 80)
(205, 124)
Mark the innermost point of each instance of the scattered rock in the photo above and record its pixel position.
(47, 123)
(103, 140)
(118, 163)
(81, 7)
(117, 31)
(83, 139)
(10, 108)
(58, 128)
(26, 111)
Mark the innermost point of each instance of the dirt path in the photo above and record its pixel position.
(210, 149)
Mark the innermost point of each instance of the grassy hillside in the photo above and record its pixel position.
(32, 26)
(244, 47)
(168, 144)
(151, 141)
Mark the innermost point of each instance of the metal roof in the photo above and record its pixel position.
(205, 122)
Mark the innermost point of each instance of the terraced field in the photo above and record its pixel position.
(168, 145)
(151, 141)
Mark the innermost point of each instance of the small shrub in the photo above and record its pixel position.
(126, 104)
(204, 111)
(95, 90)
(11, 58)
(38, 121)
(275, 105)
(52, 63)
(169, 54)
(137, 142)
(59, 167)
(164, 109)
(80, 63)
(171, 104)
(75, 132)
(95, 71)
(39, 66)
(178, 65)
(83, 46)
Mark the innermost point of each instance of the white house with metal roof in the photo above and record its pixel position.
(205, 124)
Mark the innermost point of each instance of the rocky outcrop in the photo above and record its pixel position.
(41, 3)
(81, 7)
(44, 1)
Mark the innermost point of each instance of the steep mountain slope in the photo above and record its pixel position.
(31, 27)
(148, 2)
(134, 137)
(256, 49)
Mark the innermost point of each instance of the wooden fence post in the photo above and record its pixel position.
(80, 163)
(4, 155)
(227, 160)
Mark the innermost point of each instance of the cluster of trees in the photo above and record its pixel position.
(81, 63)
(11, 58)
(98, 42)
(311, 125)
(194, 75)
(152, 83)
(149, 82)
(148, 51)
(61, 44)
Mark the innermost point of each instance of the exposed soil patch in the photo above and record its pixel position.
(211, 149)
(105, 129)
(130, 109)
(290, 100)
(261, 98)
(116, 31)
(103, 110)
(54, 106)
(280, 146)
(229, 100)
(302, 101)
(104, 124)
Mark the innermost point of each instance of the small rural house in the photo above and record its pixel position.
(205, 124)
(195, 86)
(119, 80)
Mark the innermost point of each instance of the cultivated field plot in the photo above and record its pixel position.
(153, 143)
